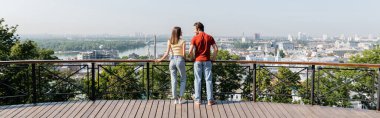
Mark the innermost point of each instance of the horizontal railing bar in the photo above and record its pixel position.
(224, 61)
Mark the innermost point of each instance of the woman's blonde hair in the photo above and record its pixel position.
(176, 34)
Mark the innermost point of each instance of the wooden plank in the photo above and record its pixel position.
(252, 110)
(270, 109)
(153, 110)
(331, 112)
(86, 106)
(197, 110)
(131, 106)
(320, 112)
(103, 109)
(108, 109)
(210, 111)
(119, 104)
(27, 110)
(190, 108)
(92, 112)
(184, 110)
(148, 107)
(266, 111)
(342, 112)
(367, 113)
(227, 109)
(75, 110)
(30, 112)
(246, 110)
(123, 108)
(166, 109)
(135, 109)
(239, 109)
(306, 113)
(4, 107)
(233, 109)
(310, 112)
(178, 110)
(172, 109)
(92, 107)
(221, 109)
(279, 108)
(293, 111)
(45, 109)
(372, 113)
(20, 110)
(354, 113)
(53, 109)
(60, 107)
(33, 111)
(10, 110)
(215, 110)
(203, 110)
(259, 111)
(141, 109)
(160, 109)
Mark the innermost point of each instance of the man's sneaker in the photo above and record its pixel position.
(211, 102)
(197, 103)
(180, 101)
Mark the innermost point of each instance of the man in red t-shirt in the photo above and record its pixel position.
(202, 44)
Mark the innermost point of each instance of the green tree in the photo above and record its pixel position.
(277, 87)
(8, 38)
(15, 78)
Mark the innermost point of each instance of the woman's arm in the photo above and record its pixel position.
(166, 53)
(184, 50)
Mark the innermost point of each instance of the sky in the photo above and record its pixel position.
(220, 17)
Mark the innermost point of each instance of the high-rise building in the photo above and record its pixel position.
(301, 36)
(257, 36)
(325, 37)
(290, 38)
(342, 37)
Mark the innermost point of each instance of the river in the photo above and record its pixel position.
(143, 51)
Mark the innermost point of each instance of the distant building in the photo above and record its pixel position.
(99, 54)
(285, 46)
(243, 39)
(290, 38)
(301, 36)
(257, 36)
(325, 37)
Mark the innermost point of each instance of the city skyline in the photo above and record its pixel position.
(221, 18)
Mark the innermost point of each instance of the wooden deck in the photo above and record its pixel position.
(166, 109)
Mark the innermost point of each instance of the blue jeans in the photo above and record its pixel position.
(177, 63)
(199, 69)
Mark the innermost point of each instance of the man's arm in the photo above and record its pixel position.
(215, 47)
(191, 51)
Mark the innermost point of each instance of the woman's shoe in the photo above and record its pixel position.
(180, 101)
(211, 102)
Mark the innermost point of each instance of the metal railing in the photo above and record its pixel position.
(33, 81)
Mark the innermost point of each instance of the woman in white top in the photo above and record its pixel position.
(177, 46)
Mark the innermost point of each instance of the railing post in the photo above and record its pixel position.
(254, 83)
(93, 82)
(312, 84)
(378, 90)
(34, 84)
(147, 80)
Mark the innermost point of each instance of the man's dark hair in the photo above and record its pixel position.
(199, 26)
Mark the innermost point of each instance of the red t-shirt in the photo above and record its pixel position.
(202, 43)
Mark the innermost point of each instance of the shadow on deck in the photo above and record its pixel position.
(166, 109)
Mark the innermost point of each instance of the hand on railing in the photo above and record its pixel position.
(158, 60)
